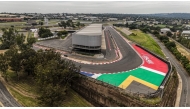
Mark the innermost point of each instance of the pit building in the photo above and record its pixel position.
(89, 38)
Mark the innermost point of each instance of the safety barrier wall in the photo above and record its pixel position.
(100, 93)
(167, 75)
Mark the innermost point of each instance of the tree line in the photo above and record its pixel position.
(69, 23)
(185, 42)
(52, 74)
(173, 49)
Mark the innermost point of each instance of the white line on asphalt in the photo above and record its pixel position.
(6, 97)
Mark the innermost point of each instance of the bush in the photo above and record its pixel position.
(43, 33)
(155, 32)
(170, 44)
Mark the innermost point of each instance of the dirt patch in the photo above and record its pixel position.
(126, 31)
(2, 51)
(183, 51)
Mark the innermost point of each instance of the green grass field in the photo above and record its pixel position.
(16, 24)
(144, 40)
(54, 21)
(162, 26)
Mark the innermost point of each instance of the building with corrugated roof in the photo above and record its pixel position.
(89, 38)
(165, 30)
(186, 34)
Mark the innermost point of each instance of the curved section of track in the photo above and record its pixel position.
(137, 70)
(129, 61)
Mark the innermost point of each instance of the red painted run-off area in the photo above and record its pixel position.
(151, 61)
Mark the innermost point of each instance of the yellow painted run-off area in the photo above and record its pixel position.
(130, 79)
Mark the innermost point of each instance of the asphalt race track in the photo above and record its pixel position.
(134, 72)
(129, 61)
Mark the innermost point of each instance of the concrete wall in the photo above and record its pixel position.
(102, 94)
(86, 40)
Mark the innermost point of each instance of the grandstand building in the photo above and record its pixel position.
(89, 38)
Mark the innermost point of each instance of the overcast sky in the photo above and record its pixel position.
(128, 7)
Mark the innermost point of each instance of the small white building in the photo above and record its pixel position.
(129, 22)
(186, 34)
(33, 30)
(155, 22)
(187, 26)
(69, 17)
(120, 23)
(164, 30)
(112, 19)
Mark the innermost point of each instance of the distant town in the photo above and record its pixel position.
(88, 60)
(32, 20)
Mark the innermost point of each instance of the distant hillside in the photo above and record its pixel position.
(169, 15)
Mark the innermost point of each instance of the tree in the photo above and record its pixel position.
(3, 65)
(164, 39)
(78, 24)
(132, 26)
(15, 63)
(145, 30)
(62, 24)
(173, 29)
(126, 25)
(20, 38)
(185, 61)
(61, 33)
(8, 38)
(69, 23)
(30, 41)
(188, 68)
(169, 34)
(155, 32)
(53, 77)
(170, 45)
(41, 23)
(43, 33)
(14, 59)
(29, 61)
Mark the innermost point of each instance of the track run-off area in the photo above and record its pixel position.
(137, 70)
(151, 73)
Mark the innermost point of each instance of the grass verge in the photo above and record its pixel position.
(25, 92)
(182, 50)
(23, 100)
(152, 101)
(75, 100)
(144, 40)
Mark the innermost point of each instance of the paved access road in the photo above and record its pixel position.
(6, 99)
(185, 97)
